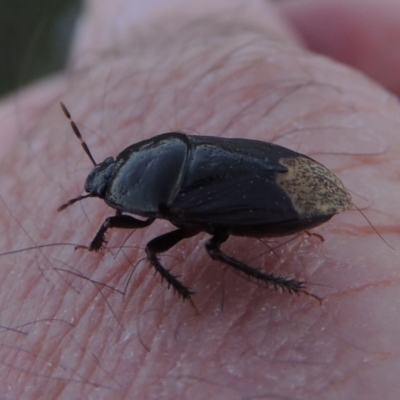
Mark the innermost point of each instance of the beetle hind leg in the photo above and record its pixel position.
(285, 284)
(161, 244)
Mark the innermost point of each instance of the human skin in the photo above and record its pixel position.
(223, 70)
(360, 33)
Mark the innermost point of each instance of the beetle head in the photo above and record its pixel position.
(97, 180)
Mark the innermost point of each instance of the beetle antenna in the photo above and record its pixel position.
(77, 132)
(72, 201)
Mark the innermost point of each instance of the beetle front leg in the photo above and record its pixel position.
(117, 221)
(213, 249)
(161, 244)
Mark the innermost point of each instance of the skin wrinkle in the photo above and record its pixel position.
(137, 370)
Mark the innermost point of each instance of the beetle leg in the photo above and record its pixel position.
(213, 249)
(116, 221)
(161, 244)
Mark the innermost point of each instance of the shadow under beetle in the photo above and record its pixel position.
(216, 185)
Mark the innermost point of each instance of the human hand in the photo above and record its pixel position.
(222, 68)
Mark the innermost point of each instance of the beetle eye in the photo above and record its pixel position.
(101, 189)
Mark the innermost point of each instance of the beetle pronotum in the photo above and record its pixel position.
(216, 185)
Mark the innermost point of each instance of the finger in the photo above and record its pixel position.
(362, 34)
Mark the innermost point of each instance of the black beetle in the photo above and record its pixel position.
(216, 185)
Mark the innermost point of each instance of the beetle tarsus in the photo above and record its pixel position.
(278, 282)
(116, 221)
(161, 244)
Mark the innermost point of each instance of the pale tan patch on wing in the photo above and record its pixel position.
(313, 189)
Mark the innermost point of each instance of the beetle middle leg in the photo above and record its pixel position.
(215, 252)
(116, 221)
(163, 243)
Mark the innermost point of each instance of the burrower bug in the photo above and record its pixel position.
(215, 185)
